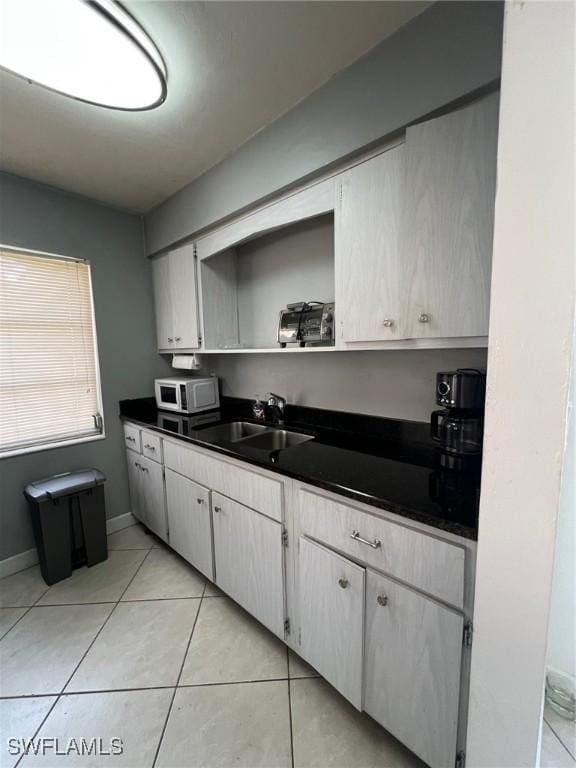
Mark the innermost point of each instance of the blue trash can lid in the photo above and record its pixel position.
(65, 484)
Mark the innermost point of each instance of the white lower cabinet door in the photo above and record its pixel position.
(152, 490)
(331, 598)
(412, 668)
(248, 560)
(189, 525)
(134, 484)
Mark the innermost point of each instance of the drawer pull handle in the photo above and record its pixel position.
(376, 544)
(217, 509)
(382, 600)
(150, 447)
(343, 583)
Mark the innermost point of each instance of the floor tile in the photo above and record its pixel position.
(212, 590)
(22, 588)
(553, 754)
(134, 537)
(327, 731)
(9, 617)
(165, 575)
(243, 725)
(40, 653)
(102, 583)
(298, 668)
(134, 717)
(229, 646)
(142, 645)
(20, 719)
(564, 729)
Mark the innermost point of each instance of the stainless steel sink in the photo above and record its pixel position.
(276, 439)
(232, 432)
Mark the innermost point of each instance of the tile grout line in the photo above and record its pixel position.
(290, 706)
(37, 731)
(560, 739)
(168, 713)
(29, 607)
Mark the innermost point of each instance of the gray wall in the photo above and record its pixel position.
(444, 53)
(398, 384)
(41, 218)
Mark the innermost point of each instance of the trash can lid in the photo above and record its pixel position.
(65, 484)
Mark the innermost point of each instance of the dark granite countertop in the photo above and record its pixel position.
(387, 463)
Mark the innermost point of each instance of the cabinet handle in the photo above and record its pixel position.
(144, 469)
(387, 322)
(150, 447)
(132, 439)
(136, 464)
(200, 501)
(178, 338)
(170, 339)
(217, 509)
(382, 600)
(424, 318)
(376, 544)
(343, 583)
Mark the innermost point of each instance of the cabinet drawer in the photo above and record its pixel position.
(151, 446)
(132, 438)
(249, 488)
(429, 564)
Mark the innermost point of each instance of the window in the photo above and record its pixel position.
(49, 376)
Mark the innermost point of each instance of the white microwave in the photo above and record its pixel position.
(187, 395)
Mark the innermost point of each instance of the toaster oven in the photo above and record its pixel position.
(306, 323)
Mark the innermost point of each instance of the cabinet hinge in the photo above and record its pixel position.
(195, 251)
(460, 761)
(467, 634)
(286, 626)
(285, 538)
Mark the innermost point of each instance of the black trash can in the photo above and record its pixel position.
(69, 521)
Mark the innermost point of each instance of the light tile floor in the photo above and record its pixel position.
(141, 648)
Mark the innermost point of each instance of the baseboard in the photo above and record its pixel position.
(26, 559)
(114, 524)
(18, 562)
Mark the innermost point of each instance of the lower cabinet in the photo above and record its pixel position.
(412, 668)
(332, 617)
(146, 484)
(189, 521)
(248, 555)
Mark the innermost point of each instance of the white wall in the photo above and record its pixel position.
(397, 384)
(531, 333)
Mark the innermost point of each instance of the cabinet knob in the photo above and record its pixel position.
(150, 447)
(387, 322)
(217, 509)
(343, 583)
(170, 339)
(382, 600)
(178, 338)
(136, 464)
(199, 501)
(424, 318)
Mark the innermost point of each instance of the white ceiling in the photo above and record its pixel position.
(233, 67)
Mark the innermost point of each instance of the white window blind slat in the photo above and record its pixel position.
(49, 376)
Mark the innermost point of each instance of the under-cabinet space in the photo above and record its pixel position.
(249, 562)
(331, 604)
(244, 288)
(412, 668)
(189, 521)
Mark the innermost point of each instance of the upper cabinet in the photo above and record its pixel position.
(414, 233)
(448, 220)
(175, 295)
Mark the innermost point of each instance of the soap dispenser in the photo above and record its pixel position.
(258, 409)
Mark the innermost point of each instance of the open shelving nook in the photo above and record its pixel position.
(244, 287)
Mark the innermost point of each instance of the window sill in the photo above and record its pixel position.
(50, 446)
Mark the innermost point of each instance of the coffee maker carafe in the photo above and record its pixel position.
(459, 426)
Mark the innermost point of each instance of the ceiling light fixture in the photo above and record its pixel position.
(92, 50)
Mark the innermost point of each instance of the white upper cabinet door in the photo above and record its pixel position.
(163, 301)
(152, 497)
(447, 228)
(368, 263)
(248, 552)
(184, 297)
(331, 599)
(412, 668)
(190, 529)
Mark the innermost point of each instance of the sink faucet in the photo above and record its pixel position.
(278, 404)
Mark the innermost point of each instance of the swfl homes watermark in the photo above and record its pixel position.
(49, 745)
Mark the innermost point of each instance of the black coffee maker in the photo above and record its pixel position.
(459, 426)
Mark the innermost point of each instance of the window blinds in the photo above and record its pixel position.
(49, 378)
